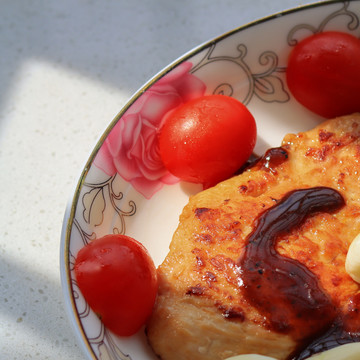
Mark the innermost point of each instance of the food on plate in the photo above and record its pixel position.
(323, 73)
(250, 357)
(352, 264)
(257, 263)
(118, 279)
(342, 352)
(207, 139)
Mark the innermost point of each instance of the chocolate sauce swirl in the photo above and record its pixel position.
(282, 289)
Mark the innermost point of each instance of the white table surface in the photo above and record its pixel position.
(66, 69)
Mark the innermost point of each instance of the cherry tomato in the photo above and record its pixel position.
(323, 73)
(207, 139)
(118, 280)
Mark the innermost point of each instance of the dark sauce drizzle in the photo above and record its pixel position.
(283, 290)
(272, 158)
(334, 336)
(269, 161)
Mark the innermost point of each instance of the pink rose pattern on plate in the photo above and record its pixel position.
(131, 149)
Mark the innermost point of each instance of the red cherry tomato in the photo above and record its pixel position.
(118, 280)
(323, 73)
(207, 139)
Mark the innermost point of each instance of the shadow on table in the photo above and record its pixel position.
(38, 300)
(101, 40)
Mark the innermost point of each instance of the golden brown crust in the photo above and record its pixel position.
(201, 311)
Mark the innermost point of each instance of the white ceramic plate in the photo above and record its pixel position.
(124, 187)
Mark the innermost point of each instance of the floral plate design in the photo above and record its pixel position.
(124, 187)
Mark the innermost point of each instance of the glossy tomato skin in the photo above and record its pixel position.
(206, 140)
(118, 279)
(323, 73)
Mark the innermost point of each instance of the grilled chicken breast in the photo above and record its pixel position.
(204, 309)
